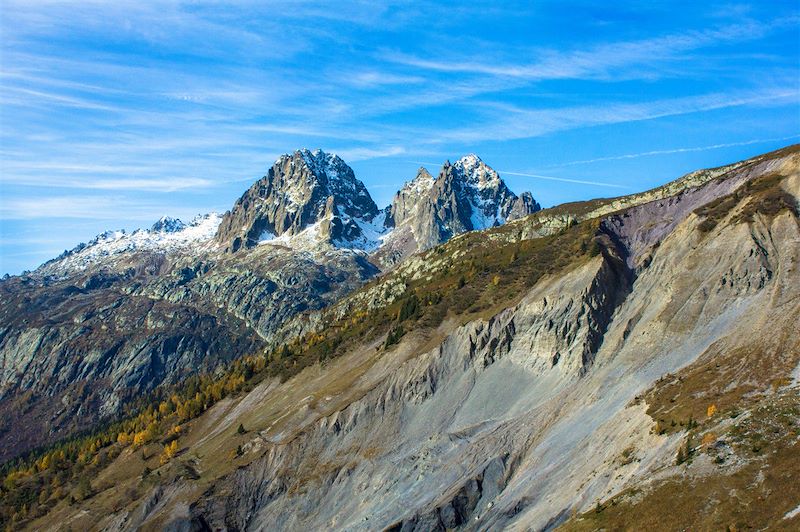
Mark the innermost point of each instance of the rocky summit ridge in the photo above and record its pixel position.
(318, 193)
(466, 196)
(300, 190)
(312, 200)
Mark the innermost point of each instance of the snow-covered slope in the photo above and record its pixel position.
(166, 235)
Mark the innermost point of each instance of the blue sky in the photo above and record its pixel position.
(115, 113)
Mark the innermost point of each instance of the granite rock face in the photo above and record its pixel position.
(466, 196)
(299, 190)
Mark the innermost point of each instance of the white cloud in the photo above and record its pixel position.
(597, 62)
(521, 123)
(140, 185)
(82, 207)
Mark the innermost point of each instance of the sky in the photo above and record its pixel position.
(113, 114)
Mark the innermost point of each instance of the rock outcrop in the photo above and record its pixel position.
(83, 326)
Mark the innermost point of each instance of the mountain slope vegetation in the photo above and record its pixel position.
(585, 367)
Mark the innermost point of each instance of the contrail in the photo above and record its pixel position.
(676, 150)
(427, 163)
(564, 179)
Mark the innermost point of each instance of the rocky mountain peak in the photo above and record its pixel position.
(422, 181)
(466, 195)
(477, 173)
(167, 224)
(300, 190)
(317, 193)
(408, 199)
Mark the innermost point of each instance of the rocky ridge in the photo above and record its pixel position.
(300, 190)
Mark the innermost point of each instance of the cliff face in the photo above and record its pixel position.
(300, 189)
(466, 196)
(75, 350)
(578, 392)
(91, 334)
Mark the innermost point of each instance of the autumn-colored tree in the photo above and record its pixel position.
(140, 438)
(170, 450)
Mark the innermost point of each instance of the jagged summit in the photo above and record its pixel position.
(311, 200)
(167, 224)
(408, 199)
(466, 195)
(476, 172)
(315, 195)
(301, 189)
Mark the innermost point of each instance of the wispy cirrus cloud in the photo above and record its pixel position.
(156, 185)
(543, 177)
(519, 123)
(601, 61)
(79, 207)
(564, 179)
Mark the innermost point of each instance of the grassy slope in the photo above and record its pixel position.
(482, 276)
(474, 275)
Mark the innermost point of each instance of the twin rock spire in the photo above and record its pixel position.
(318, 192)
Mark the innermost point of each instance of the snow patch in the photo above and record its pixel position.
(374, 234)
(796, 375)
(266, 237)
(792, 513)
(306, 240)
(479, 219)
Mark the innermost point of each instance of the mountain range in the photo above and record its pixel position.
(461, 359)
(127, 312)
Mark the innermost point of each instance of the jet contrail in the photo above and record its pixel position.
(564, 179)
(675, 150)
